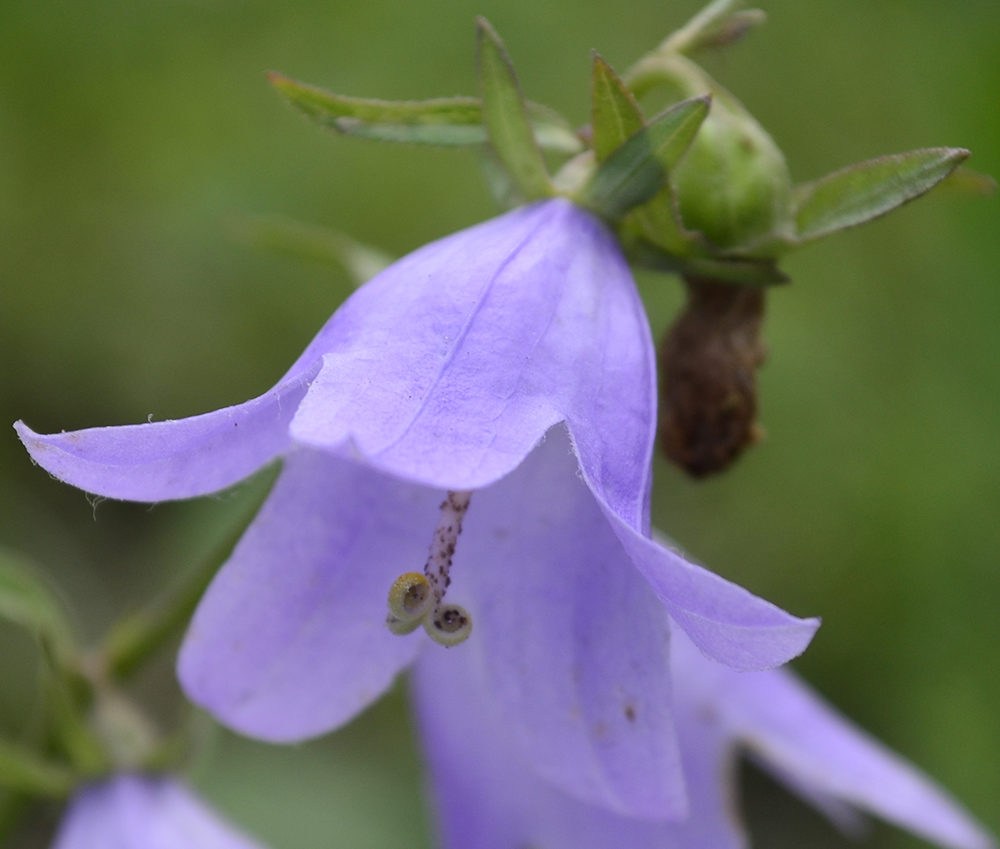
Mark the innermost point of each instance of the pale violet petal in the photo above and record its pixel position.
(159, 461)
(787, 726)
(575, 643)
(487, 796)
(143, 812)
(450, 365)
(290, 639)
(727, 622)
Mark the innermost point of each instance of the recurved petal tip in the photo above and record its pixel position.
(162, 461)
(727, 622)
(793, 730)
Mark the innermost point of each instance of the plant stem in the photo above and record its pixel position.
(140, 635)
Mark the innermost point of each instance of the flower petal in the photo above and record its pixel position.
(137, 812)
(727, 622)
(449, 366)
(488, 796)
(160, 461)
(290, 639)
(809, 744)
(576, 645)
(788, 725)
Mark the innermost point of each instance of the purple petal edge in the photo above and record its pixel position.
(726, 621)
(162, 461)
(788, 725)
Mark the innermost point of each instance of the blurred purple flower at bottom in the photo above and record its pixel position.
(144, 812)
(487, 797)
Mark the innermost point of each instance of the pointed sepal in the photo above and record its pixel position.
(864, 191)
(615, 113)
(448, 122)
(747, 272)
(505, 116)
(637, 169)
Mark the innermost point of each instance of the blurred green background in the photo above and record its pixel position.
(132, 130)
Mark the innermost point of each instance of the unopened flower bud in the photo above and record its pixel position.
(733, 184)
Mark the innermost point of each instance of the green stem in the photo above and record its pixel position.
(138, 636)
(69, 699)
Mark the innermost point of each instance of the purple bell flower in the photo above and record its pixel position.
(487, 796)
(142, 812)
(500, 383)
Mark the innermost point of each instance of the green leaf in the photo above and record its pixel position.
(869, 189)
(311, 242)
(453, 121)
(23, 770)
(637, 169)
(506, 116)
(615, 113)
(27, 601)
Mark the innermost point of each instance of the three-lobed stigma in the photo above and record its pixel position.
(418, 598)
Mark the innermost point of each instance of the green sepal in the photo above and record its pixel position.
(661, 223)
(864, 191)
(505, 117)
(27, 601)
(448, 122)
(615, 113)
(310, 242)
(24, 771)
(748, 272)
(637, 169)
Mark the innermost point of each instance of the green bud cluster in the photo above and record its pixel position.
(699, 189)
